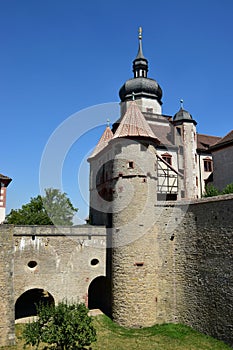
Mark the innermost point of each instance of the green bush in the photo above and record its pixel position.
(211, 191)
(228, 189)
(65, 326)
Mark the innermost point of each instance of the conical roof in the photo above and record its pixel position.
(103, 142)
(134, 124)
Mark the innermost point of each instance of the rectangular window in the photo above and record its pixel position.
(181, 150)
(130, 165)
(208, 165)
(149, 110)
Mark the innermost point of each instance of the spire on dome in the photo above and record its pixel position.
(140, 64)
(103, 142)
(134, 124)
(140, 53)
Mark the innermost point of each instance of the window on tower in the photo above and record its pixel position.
(130, 165)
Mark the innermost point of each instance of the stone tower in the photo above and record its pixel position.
(123, 197)
(133, 209)
(186, 140)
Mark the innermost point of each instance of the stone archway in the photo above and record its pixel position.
(99, 295)
(25, 305)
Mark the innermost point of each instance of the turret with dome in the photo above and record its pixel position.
(183, 115)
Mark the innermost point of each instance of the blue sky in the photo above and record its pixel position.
(59, 57)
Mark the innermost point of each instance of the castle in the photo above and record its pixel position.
(183, 158)
(155, 251)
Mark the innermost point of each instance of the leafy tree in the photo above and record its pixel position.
(55, 208)
(65, 326)
(211, 191)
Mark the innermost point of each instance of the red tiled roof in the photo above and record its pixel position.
(134, 124)
(204, 142)
(164, 132)
(103, 142)
(224, 141)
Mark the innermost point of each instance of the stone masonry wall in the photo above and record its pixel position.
(204, 260)
(178, 269)
(64, 260)
(7, 324)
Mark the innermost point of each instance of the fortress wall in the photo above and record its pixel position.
(177, 269)
(204, 260)
(186, 275)
(63, 258)
(7, 324)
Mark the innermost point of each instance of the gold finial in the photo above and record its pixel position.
(140, 33)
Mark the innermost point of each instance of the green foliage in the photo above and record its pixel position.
(159, 337)
(55, 208)
(228, 189)
(211, 191)
(65, 326)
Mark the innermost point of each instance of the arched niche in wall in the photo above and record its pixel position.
(99, 295)
(26, 304)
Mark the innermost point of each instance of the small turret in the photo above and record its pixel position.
(186, 140)
(183, 116)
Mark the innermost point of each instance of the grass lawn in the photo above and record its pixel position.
(162, 337)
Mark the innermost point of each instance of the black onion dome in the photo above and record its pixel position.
(140, 87)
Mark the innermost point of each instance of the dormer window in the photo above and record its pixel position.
(167, 157)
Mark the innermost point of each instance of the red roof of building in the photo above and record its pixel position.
(103, 142)
(204, 142)
(134, 124)
(164, 132)
(224, 141)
